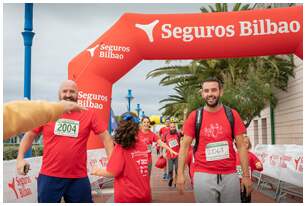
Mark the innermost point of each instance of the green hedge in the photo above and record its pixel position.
(10, 151)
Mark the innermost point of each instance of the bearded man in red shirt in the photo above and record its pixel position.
(215, 179)
(63, 172)
(162, 135)
(173, 142)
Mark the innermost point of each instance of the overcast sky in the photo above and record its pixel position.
(64, 30)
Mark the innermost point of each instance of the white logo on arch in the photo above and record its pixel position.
(148, 29)
(92, 50)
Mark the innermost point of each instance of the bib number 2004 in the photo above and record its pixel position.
(66, 127)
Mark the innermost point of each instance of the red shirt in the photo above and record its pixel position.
(130, 169)
(253, 160)
(172, 140)
(65, 155)
(215, 153)
(147, 138)
(163, 132)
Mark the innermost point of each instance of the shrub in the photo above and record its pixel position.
(10, 151)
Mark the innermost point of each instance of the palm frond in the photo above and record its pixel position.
(237, 7)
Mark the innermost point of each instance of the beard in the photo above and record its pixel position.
(212, 101)
(173, 131)
(71, 99)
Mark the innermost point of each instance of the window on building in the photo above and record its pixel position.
(256, 137)
(264, 131)
(13, 140)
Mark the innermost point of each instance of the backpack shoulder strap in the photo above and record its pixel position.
(198, 124)
(230, 117)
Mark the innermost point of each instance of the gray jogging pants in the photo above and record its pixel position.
(213, 188)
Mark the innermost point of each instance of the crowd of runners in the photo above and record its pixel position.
(212, 144)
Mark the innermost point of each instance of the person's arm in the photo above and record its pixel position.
(244, 162)
(101, 172)
(25, 144)
(108, 142)
(164, 145)
(180, 181)
(116, 162)
(22, 116)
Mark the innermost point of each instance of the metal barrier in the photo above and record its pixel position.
(289, 189)
(100, 184)
(281, 188)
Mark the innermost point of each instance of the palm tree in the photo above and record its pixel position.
(249, 83)
(185, 100)
(224, 7)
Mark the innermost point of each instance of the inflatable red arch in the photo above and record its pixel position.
(137, 37)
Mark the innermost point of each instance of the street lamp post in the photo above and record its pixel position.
(143, 114)
(28, 35)
(129, 98)
(138, 109)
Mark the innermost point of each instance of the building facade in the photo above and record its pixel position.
(288, 115)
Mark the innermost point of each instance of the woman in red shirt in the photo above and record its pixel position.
(148, 137)
(128, 163)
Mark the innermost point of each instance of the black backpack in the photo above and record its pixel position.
(198, 124)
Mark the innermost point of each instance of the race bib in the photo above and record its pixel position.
(173, 143)
(217, 151)
(67, 127)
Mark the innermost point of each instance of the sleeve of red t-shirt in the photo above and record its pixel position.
(97, 125)
(239, 127)
(253, 160)
(115, 164)
(160, 131)
(167, 140)
(37, 130)
(189, 125)
(154, 137)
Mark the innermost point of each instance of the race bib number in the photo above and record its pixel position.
(217, 151)
(173, 143)
(67, 127)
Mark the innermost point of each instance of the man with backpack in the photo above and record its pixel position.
(214, 128)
